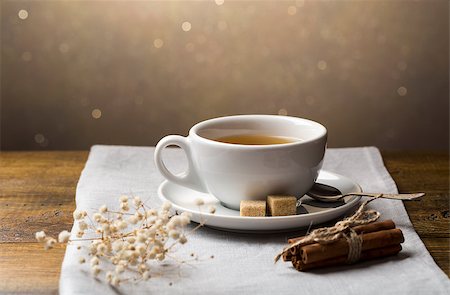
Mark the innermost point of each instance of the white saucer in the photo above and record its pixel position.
(311, 212)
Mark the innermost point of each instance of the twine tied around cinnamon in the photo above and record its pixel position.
(342, 229)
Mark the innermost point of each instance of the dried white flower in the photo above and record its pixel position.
(184, 220)
(115, 281)
(117, 245)
(127, 242)
(199, 202)
(40, 236)
(142, 238)
(174, 234)
(94, 261)
(137, 201)
(106, 228)
(173, 223)
(142, 267)
(64, 236)
(124, 207)
(166, 206)
(141, 248)
(123, 225)
(77, 215)
(80, 234)
(187, 214)
(109, 276)
(113, 228)
(146, 275)
(133, 219)
(93, 248)
(101, 248)
(49, 243)
(155, 250)
(97, 217)
(163, 216)
(95, 270)
(82, 225)
(139, 216)
(120, 268)
(151, 212)
(182, 239)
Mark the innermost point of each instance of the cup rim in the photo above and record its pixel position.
(193, 132)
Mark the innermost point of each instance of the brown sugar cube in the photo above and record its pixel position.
(253, 208)
(282, 205)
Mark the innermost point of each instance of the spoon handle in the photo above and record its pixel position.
(388, 196)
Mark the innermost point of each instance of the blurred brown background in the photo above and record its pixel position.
(78, 73)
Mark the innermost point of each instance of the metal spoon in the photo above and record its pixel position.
(327, 193)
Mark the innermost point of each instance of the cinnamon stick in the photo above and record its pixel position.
(319, 252)
(342, 260)
(287, 256)
(366, 228)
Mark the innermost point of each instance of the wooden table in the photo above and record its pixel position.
(37, 191)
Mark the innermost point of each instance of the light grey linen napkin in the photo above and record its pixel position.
(243, 263)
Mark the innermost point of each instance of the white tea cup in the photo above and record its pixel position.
(235, 172)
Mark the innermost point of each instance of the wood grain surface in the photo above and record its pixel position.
(37, 191)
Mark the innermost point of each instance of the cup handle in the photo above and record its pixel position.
(188, 178)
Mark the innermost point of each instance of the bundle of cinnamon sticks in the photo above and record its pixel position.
(379, 239)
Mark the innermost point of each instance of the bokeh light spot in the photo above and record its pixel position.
(219, 2)
(96, 113)
(322, 65)
(22, 14)
(402, 91)
(39, 138)
(27, 56)
(282, 112)
(292, 10)
(186, 26)
(64, 47)
(158, 43)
